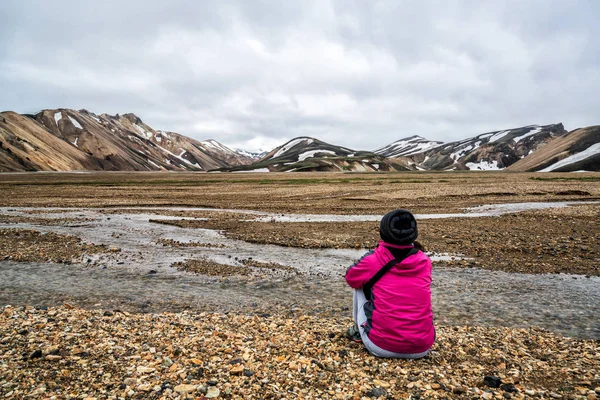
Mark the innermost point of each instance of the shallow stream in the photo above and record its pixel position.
(140, 278)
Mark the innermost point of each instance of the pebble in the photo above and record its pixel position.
(492, 381)
(186, 388)
(191, 355)
(376, 392)
(212, 392)
(145, 370)
(383, 384)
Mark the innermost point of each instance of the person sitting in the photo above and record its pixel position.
(392, 295)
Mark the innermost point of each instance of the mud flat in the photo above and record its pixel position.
(199, 285)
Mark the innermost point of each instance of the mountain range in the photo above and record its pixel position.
(66, 140)
(70, 140)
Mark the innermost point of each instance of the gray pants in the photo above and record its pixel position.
(358, 313)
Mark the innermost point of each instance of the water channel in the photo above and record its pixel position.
(140, 276)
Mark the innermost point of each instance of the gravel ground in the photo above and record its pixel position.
(68, 353)
(252, 269)
(32, 246)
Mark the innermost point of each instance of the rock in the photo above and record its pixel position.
(376, 392)
(35, 354)
(237, 370)
(459, 390)
(509, 387)
(492, 381)
(212, 392)
(185, 388)
(383, 384)
(145, 370)
(530, 392)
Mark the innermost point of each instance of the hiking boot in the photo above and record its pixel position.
(354, 334)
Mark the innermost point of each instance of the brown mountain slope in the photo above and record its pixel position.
(560, 148)
(25, 145)
(66, 140)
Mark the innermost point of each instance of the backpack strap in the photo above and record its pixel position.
(368, 287)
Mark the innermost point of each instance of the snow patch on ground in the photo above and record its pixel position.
(255, 170)
(484, 165)
(589, 152)
(95, 118)
(57, 117)
(311, 153)
(74, 121)
(75, 142)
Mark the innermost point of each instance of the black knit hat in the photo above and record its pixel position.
(398, 227)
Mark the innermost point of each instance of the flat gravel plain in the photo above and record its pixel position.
(68, 352)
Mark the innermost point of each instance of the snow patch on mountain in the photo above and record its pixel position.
(498, 136)
(95, 118)
(216, 145)
(143, 132)
(407, 147)
(57, 117)
(74, 121)
(537, 129)
(179, 158)
(289, 145)
(484, 165)
(589, 152)
(311, 153)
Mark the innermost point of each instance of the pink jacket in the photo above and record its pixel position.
(401, 320)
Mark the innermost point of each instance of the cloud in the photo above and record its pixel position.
(253, 74)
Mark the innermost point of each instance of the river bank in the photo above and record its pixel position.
(65, 352)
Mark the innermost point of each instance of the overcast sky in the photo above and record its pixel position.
(253, 74)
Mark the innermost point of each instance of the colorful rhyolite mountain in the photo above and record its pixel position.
(310, 154)
(488, 151)
(69, 140)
